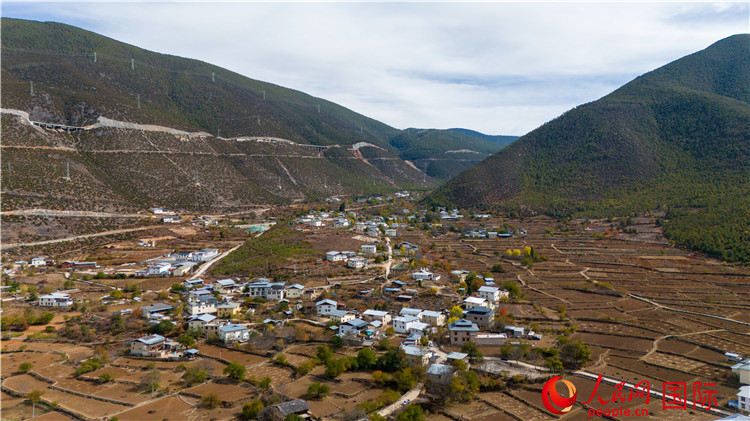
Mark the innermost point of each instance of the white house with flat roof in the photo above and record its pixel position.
(402, 324)
(424, 275)
(233, 333)
(491, 294)
(56, 299)
(340, 316)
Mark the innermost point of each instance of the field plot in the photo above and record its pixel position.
(11, 361)
(515, 407)
(229, 393)
(279, 375)
(635, 345)
(231, 355)
(169, 408)
(476, 410)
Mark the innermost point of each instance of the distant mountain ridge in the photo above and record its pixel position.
(676, 139)
(65, 75)
(89, 75)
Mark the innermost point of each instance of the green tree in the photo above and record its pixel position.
(337, 342)
(318, 390)
(235, 371)
(406, 380)
(574, 353)
(456, 312)
(366, 358)
(475, 356)
(389, 361)
(252, 409)
(34, 396)
(162, 328)
(324, 353)
(411, 413)
(116, 294)
(334, 367)
(186, 340)
(194, 374)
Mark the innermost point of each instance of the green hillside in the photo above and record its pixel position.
(443, 154)
(78, 75)
(675, 140)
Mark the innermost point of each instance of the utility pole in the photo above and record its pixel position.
(318, 108)
(67, 171)
(94, 56)
(139, 101)
(31, 88)
(132, 64)
(259, 120)
(264, 95)
(218, 132)
(213, 77)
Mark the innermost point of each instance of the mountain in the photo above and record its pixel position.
(676, 139)
(253, 140)
(443, 154)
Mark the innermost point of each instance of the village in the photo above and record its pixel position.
(369, 308)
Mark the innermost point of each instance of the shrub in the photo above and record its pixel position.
(210, 401)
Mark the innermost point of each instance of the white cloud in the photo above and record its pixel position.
(500, 68)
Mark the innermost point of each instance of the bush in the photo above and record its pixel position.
(106, 378)
(25, 367)
(251, 410)
(210, 401)
(318, 390)
(235, 371)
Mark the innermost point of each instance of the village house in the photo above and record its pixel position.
(275, 291)
(356, 262)
(491, 294)
(457, 356)
(264, 288)
(462, 331)
(369, 248)
(281, 411)
(159, 268)
(204, 304)
(372, 315)
(354, 326)
(402, 324)
(233, 333)
(439, 375)
(38, 261)
(324, 307)
(416, 356)
(407, 311)
(515, 331)
(434, 318)
(204, 255)
(227, 310)
(742, 371)
(155, 346)
(293, 291)
(340, 316)
(197, 322)
(225, 286)
(157, 308)
(424, 275)
(212, 328)
(192, 283)
(477, 302)
(56, 299)
(336, 256)
(198, 294)
(391, 232)
(743, 399)
(418, 328)
(482, 316)
(490, 339)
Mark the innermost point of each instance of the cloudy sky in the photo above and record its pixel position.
(495, 67)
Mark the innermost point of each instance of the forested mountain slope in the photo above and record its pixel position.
(676, 139)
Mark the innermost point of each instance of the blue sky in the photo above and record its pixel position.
(495, 67)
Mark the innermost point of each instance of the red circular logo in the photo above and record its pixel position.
(553, 400)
